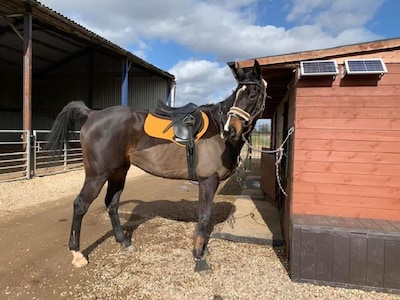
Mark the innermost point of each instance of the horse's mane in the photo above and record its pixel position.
(223, 105)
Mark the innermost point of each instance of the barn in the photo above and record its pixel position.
(47, 60)
(341, 167)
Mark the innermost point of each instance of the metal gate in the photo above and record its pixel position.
(44, 163)
(15, 155)
(258, 141)
(23, 158)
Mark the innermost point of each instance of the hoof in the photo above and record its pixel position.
(130, 249)
(202, 267)
(78, 260)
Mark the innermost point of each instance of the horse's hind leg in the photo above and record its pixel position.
(89, 192)
(116, 185)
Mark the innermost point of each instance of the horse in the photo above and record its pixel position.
(113, 139)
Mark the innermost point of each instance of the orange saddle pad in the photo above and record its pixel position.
(155, 127)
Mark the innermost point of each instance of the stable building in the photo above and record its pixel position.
(341, 168)
(47, 60)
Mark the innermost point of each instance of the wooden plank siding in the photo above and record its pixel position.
(347, 148)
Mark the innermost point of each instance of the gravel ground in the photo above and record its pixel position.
(162, 267)
(15, 195)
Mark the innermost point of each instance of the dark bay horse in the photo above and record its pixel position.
(114, 138)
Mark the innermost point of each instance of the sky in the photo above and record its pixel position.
(194, 39)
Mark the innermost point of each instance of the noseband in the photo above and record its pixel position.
(248, 118)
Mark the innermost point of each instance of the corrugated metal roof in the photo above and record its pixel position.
(59, 35)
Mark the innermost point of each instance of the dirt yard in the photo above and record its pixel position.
(160, 215)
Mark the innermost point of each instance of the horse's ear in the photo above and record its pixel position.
(257, 69)
(237, 71)
(240, 74)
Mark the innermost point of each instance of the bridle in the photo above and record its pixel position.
(245, 117)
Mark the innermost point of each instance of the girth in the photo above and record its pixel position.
(187, 123)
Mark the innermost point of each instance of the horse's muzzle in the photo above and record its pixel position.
(230, 134)
(233, 129)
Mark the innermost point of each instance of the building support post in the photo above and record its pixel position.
(125, 78)
(27, 85)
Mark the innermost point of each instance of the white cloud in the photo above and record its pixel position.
(334, 17)
(225, 28)
(202, 82)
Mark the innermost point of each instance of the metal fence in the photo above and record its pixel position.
(258, 141)
(251, 151)
(44, 163)
(23, 158)
(15, 153)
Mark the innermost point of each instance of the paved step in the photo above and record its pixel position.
(253, 219)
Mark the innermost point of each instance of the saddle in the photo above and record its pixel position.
(181, 125)
(186, 120)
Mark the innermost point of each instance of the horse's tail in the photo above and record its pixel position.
(71, 117)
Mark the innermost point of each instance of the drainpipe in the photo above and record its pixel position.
(172, 94)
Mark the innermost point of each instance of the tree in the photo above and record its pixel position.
(263, 126)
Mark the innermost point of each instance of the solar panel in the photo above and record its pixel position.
(365, 66)
(318, 67)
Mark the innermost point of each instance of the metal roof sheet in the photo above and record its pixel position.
(56, 38)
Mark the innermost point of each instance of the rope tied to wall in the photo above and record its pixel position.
(278, 155)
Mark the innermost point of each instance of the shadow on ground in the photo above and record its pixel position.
(182, 211)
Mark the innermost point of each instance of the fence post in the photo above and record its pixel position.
(28, 154)
(65, 156)
(35, 149)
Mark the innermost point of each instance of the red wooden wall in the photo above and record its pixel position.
(347, 147)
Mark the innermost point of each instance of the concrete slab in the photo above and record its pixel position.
(252, 220)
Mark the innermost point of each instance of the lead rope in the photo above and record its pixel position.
(278, 155)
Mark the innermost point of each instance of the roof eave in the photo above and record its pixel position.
(329, 53)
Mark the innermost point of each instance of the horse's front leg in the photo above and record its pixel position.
(89, 192)
(207, 188)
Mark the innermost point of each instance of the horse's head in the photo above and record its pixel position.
(248, 105)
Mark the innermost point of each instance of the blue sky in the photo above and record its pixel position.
(193, 39)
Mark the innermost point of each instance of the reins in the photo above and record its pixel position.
(278, 155)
